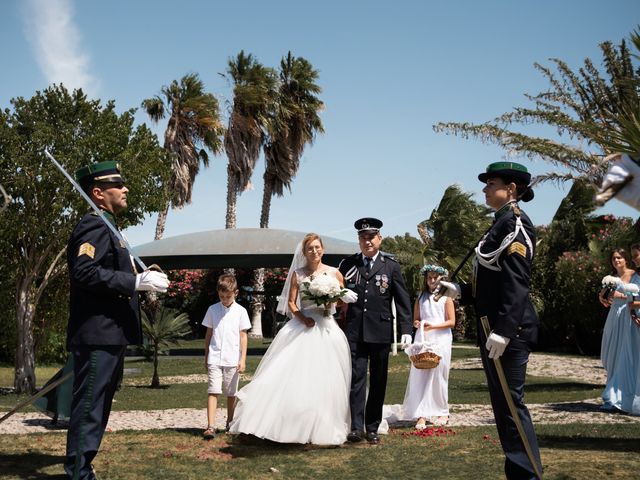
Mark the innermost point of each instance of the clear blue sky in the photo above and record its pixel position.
(389, 71)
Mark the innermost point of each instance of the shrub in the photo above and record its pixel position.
(578, 316)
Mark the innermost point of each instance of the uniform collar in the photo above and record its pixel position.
(373, 259)
(108, 215)
(505, 208)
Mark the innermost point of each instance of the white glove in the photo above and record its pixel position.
(450, 289)
(496, 345)
(349, 297)
(152, 281)
(405, 340)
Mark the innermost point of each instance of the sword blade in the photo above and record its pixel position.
(95, 208)
(37, 395)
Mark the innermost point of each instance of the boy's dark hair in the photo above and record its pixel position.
(227, 283)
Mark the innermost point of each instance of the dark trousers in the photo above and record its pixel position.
(366, 411)
(514, 363)
(96, 370)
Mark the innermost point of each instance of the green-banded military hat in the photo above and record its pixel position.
(100, 172)
(511, 171)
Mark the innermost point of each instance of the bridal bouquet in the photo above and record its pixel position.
(322, 290)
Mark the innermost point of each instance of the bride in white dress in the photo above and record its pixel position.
(300, 390)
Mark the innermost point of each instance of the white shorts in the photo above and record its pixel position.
(223, 380)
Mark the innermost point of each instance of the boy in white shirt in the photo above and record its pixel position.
(225, 346)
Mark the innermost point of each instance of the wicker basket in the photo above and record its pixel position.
(425, 360)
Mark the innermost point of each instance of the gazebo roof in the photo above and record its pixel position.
(238, 247)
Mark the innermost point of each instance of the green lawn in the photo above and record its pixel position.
(568, 452)
(574, 451)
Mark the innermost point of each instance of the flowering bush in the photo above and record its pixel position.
(184, 288)
(578, 280)
(610, 233)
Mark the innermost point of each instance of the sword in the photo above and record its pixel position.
(95, 208)
(512, 408)
(36, 396)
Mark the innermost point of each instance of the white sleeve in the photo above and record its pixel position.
(245, 323)
(208, 318)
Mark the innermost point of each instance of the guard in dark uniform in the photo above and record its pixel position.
(377, 280)
(500, 291)
(104, 313)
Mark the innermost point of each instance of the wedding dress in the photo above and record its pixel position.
(300, 390)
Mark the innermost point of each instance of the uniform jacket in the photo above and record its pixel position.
(503, 296)
(370, 319)
(103, 303)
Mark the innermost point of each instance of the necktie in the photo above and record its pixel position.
(367, 264)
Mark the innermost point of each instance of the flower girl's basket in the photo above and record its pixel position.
(421, 354)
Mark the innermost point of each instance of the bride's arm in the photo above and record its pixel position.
(340, 278)
(293, 306)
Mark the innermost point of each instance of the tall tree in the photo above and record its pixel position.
(296, 121)
(254, 94)
(37, 223)
(294, 125)
(590, 108)
(194, 125)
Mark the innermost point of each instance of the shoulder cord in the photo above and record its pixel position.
(490, 260)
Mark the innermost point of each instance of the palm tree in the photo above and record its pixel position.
(164, 329)
(254, 94)
(294, 125)
(453, 228)
(194, 125)
(599, 113)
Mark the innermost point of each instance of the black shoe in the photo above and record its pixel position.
(355, 436)
(373, 438)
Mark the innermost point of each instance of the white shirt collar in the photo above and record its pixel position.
(373, 259)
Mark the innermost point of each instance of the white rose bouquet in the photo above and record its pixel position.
(323, 290)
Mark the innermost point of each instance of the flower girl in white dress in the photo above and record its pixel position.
(427, 393)
(300, 391)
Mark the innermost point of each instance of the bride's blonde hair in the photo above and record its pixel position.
(310, 237)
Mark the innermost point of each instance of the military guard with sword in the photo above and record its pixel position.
(104, 314)
(507, 321)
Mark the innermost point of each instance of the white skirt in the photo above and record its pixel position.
(300, 391)
(427, 393)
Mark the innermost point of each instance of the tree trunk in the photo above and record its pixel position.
(232, 198)
(258, 275)
(257, 303)
(161, 223)
(266, 205)
(25, 376)
(155, 380)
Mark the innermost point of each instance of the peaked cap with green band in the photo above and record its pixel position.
(103, 172)
(512, 171)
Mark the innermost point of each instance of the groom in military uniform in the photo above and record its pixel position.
(377, 280)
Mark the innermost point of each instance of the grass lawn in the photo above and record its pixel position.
(568, 452)
(465, 386)
(574, 451)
